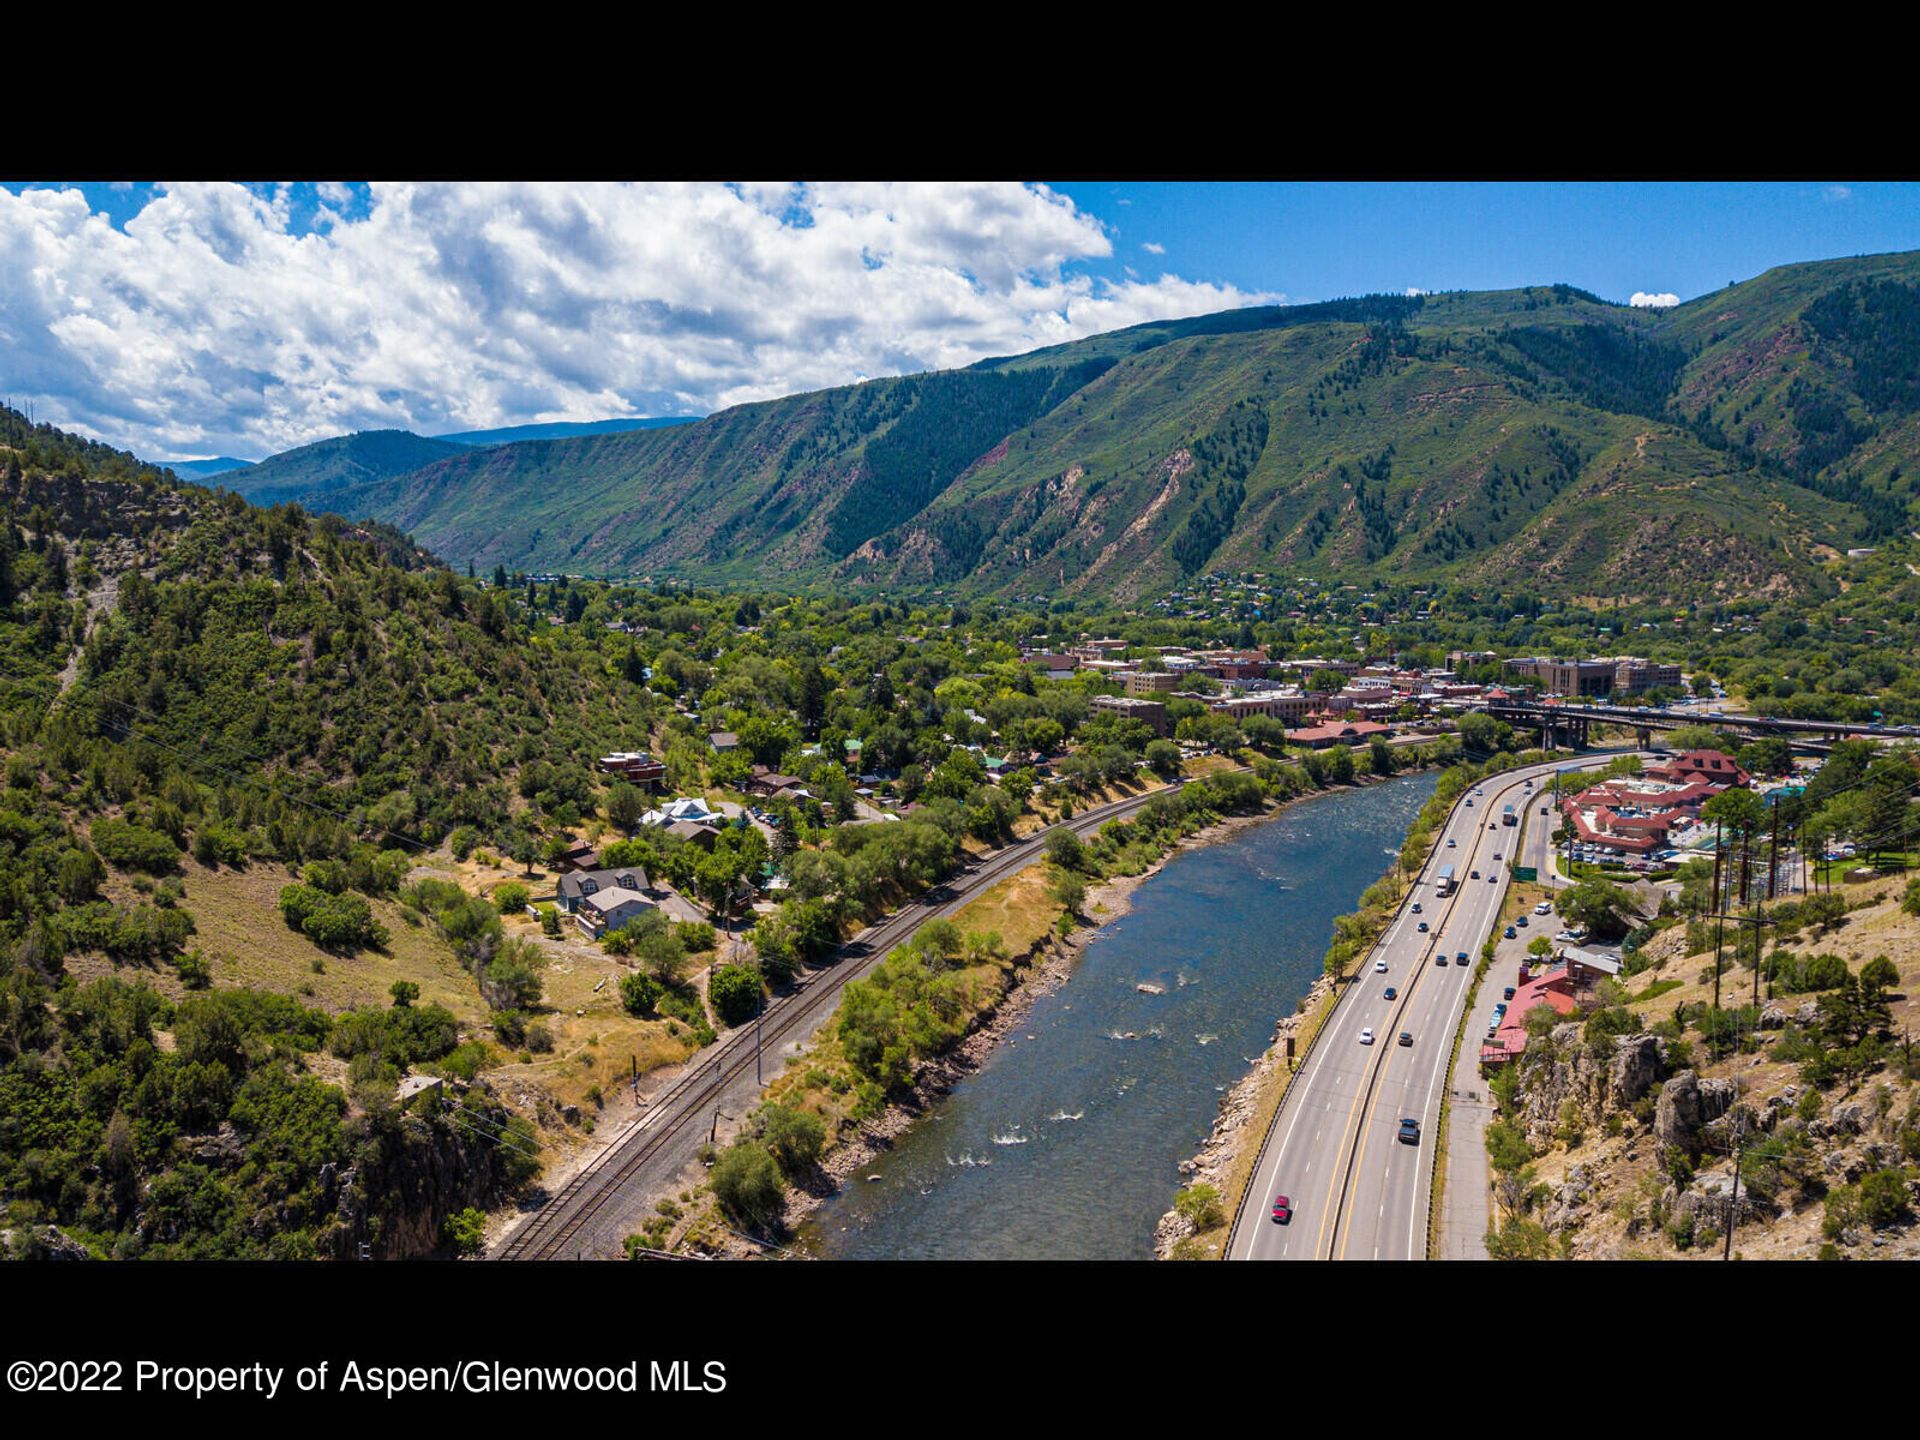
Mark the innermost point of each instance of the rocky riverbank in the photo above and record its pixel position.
(1234, 1129)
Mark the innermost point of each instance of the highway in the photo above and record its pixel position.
(1358, 1191)
(611, 1196)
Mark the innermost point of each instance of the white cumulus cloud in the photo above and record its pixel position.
(1153, 247)
(212, 323)
(1642, 300)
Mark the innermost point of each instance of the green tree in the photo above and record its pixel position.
(794, 1137)
(734, 992)
(404, 993)
(746, 1181)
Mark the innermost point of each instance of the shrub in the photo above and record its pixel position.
(1200, 1206)
(746, 1181)
(793, 1136)
(510, 898)
(734, 992)
(640, 994)
(465, 1231)
(135, 847)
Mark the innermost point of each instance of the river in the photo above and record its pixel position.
(1065, 1143)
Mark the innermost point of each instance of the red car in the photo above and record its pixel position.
(1282, 1210)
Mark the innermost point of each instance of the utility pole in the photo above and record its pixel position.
(1733, 1201)
(1718, 928)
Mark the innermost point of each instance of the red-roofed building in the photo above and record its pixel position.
(1353, 732)
(1715, 767)
(1554, 988)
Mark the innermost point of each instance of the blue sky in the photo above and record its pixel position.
(1318, 241)
(183, 321)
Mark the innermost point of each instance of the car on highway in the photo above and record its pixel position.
(1543, 809)
(1493, 879)
(1406, 1037)
(1512, 934)
(1461, 957)
(1449, 843)
(1475, 874)
(1416, 907)
(1409, 1130)
(1379, 967)
(1439, 957)
(1391, 994)
(1423, 927)
(1366, 1036)
(1469, 804)
(1497, 855)
(1282, 1210)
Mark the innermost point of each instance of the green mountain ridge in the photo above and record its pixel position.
(1718, 448)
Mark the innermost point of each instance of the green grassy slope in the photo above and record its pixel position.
(1591, 448)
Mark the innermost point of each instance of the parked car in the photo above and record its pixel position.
(1282, 1210)
(1520, 920)
(1507, 994)
(1512, 934)
(1409, 1130)
(1545, 907)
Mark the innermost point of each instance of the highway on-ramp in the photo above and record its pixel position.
(1358, 1191)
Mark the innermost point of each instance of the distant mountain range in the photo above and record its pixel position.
(205, 469)
(1538, 438)
(312, 475)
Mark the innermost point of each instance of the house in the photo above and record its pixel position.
(723, 741)
(610, 909)
(635, 766)
(576, 887)
(695, 832)
(675, 811)
(580, 857)
(773, 785)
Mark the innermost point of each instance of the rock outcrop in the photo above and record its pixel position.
(1687, 1105)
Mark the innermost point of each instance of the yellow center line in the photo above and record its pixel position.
(1345, 1234)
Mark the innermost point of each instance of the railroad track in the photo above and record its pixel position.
(548, 1232)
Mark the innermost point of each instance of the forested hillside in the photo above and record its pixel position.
(1719, 450)
(313, 475)
(198, 695)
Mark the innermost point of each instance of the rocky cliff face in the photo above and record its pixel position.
(1600, 1083)
(408, 1176)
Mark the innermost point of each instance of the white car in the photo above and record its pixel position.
(1545, 907)
(1379, 967)
(1366, 1037)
